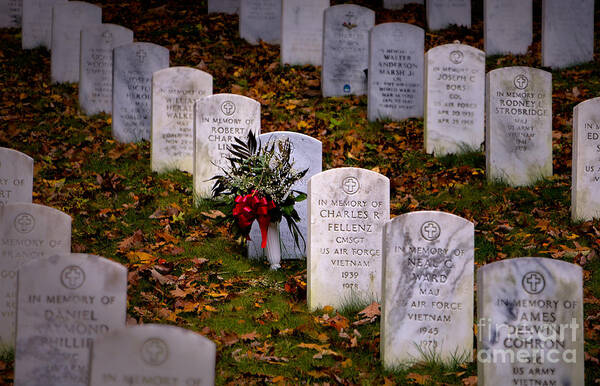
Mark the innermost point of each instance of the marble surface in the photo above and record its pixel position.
(260, 20)
(585, 180)
(567, 32)
(16, 176)
(96, 65)
(218, 120)
(64, 303)
(37, 23)
(29, 232)
(10, 13)
(427, 303)
(444, 13)
(224, 6)
(347, 209)
(68, 19)
(399, 4)
(307, 153)
(174, 91)
(518, 125)
(160, 353)
(133, 66)
(346, 50)
(302, 31)
(395, 81)
(530, 327)
(507, 26)
(454, 99)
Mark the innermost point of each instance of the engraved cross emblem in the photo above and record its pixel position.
(141, 55)
(72, 277)
(521, 81)
(430, 230)
(154, 351)
(350, 185)
(107, 36)
(533, 282)
(228, 108)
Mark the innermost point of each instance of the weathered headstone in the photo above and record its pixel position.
(224, 6)
(68, 19)
(302, 31)
(395, 71)
(427, 308)
(96, 65)
(260, 20)
(585, 180)
(158, 354)
(29, 231)
(37, 23)
(133, 66)
(530, 328)
(10, 13)
(508, 26)
(399, 4)
(64, 303)
(307, 153)
(567, 32)
(443, 13)
(16, 176)
(346, 49)
(218, 120)
(454, 99)
(518, 125)
(174, 91)
(347, 210)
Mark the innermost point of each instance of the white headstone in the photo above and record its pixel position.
(10, 13)
(37, 23)
(346, 49)
(302, 31)
(218, 120)
(96, 65)
(68, 19)
(399, 4)
(29, 231)
(224, 6)
(396, 71)
(260, 20)
(567, 32)
(427, 308)
(133, 66)
(530, 328)
(518, 125)
(508, 26)
(307, 153)
(64, 303)
(443, 13)
(16, 176)
(174, 91)
(585, 182)
(153, 354)
(454, 99)
(347, 210)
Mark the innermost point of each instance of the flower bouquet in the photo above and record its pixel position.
(257, 185)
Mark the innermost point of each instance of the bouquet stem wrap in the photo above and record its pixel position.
(253, 207)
